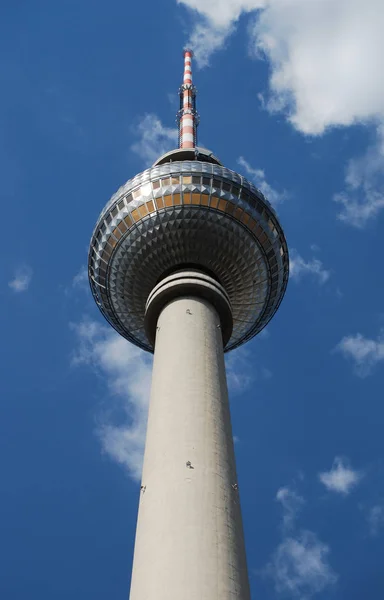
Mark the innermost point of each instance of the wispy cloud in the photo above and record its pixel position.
(299, 566)
(154, 138)
(363, 197)
(127, 373)
(258, 178)
(21, 279)
(291, 503)
(359, 206)
(376, 519)
(341, 478)
(241, 371)
(206, 39)
(300, 268)
(365, 353)
(80, 280)
(212, 24)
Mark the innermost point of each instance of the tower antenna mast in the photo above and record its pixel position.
(187, 117)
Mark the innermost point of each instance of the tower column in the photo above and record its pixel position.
(189, 539)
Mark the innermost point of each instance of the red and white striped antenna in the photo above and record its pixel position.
(187, 117)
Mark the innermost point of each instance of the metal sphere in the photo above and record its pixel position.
(188, 213)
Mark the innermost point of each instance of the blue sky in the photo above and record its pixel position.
(291, 95)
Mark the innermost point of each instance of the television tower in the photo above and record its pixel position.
(188, 261)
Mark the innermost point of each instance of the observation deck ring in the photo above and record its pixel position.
(188, 212)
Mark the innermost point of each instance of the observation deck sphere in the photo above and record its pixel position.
(195, 213)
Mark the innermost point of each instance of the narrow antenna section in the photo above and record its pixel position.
(187, 117)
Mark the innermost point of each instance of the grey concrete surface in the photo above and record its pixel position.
(189, 540)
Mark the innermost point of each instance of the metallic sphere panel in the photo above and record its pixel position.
(188, 212)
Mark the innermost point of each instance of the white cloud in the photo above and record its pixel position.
(300, 566)
(291, 503)
(258, 178)
(341, 478)
(299, 267)
(376, 519)
(325, 60)
(127, 372)
(364, 352)
(21, 279)
(154, 138)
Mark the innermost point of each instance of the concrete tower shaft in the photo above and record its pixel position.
(189, 539)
